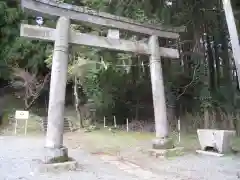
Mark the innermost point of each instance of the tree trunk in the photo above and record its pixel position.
(214, 119)
(211, 68)
(77, 102)
(231, 121)
(206, 119)
(217, 62)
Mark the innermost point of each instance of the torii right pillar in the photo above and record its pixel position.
(162, 140)
(232, 29)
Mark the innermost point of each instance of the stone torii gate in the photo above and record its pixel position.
(232, 29)
(62, 36)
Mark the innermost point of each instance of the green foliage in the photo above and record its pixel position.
(4, 121)
(17, 51)
(60, 159)
(116, 81)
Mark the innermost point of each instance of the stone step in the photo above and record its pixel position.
(68, 125)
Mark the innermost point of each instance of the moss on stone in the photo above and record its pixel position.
(175, 152)
(164, 143)
(60, 159)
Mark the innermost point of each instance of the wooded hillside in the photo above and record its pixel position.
(201, 87)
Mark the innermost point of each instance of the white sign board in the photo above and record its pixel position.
(113, 34)
(22, 115)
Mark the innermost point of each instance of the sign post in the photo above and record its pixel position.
(21, 115)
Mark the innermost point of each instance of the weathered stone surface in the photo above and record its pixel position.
(52, 153)
(113, 34)
(178, 151)
(233, 33)
(162, 143)
(55, 127)
(217, 139)
(159, 103)
(65, 166)
(49, 34)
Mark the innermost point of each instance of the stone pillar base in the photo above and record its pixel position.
(54, 153)
(166, 153)
(162, 143)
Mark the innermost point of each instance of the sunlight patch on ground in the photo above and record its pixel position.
(105, 140)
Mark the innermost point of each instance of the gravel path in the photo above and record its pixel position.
(19, 160)
(191, 166)
(20, 157)
(195, 167)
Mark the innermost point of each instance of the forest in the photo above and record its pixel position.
(201, 86)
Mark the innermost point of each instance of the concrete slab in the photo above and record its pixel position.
(209, 153)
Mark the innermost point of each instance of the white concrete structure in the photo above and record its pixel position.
(218, 139)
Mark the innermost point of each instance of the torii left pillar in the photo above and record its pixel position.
(55, 129)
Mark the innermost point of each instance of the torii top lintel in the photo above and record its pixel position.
(53, 9)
